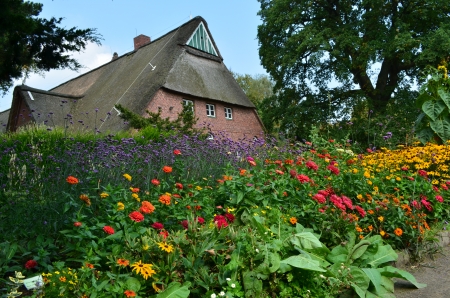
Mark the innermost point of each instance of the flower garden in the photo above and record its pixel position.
(188, 217)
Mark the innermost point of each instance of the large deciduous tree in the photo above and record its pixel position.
(256, 87)
(325, 54)
(32, 44)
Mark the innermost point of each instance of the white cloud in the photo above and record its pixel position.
(92, 57)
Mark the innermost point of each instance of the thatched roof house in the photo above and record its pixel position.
(181, 66)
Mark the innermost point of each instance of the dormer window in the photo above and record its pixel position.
(201, 41)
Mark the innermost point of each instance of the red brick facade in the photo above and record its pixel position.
(244, 123)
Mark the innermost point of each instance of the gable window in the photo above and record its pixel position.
(228, 113)
(210, 110)
(201, 41)
(187, 102)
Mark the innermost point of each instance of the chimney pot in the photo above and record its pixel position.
(140, 41)
(115, 56)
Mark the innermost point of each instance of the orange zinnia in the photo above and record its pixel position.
(72, 180)
(123, 262)
(167, 169)
(130, 293)
(85, 199)
(165, 199)
(398, 232)
(293, 220)
(147, 207)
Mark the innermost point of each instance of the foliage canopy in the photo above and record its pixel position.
(325, 56)
(32, 44)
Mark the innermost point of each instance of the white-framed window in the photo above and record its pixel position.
(187, 102)
(210, 110)
(228, 113)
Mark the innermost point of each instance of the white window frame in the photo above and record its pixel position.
(228, 113)
(210, 110)
(188, 101)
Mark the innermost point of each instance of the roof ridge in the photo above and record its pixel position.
(28, 88)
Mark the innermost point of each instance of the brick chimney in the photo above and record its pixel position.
(140, 41)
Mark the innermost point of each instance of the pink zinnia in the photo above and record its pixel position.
(158, 226)
(427, 204)
(333, 169)
(319, 198)
(416, 204)
(155, 182)
(200, 220)
(439, 199)
(136, 216)
(347, 202)
(312, 165)
(302, 178)
(360, 211)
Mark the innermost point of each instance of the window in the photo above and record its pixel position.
(228, 113)
(200, 40)
(187, 102)
(210, 111)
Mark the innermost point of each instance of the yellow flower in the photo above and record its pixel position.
(136, 197)
(355, 171)
(120, 206)
(369, 182)
(62, 279)
(126, 176)
(380, 218)
(367, 174)
(382, 233)
(359, 196)
(198, 188)
(165, 247)
(143, 269)
(104, 195)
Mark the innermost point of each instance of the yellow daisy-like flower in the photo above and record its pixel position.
(104, 195)
(127, 176)
(136, 197)
(380, 218)
(165, 247)
(120, 206)
(143, 269)
(62, 279)
(198, 188)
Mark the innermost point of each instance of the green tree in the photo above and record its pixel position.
(256, 87)
(32, 44)
(325, 56)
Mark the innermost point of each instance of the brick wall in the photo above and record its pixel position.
(245, 122)
(22, 116)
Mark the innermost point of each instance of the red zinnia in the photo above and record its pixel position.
(179, 185)
(423, 173)
(312, 165)
(293, 173)
(136, 216)
(200, 220)
(129, 293)
(167, 169)
(77, 224)
(221, 224)
(108, 230)
(158, 226)
(165, 234)
(134, 189)
(303, 178)
(333, 169)
(177, 152)
(185, 224)
(30, 264)
(229, 217)
(72, 180)
(155, 182)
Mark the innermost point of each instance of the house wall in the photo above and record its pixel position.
(245, 122)
(22, 116)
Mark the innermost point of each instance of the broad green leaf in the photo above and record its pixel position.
(442, 128)
(387, 283)
(116, 235)
(433, 108)
(424, 97)
(359, 249)
(338, 255)
(252, 285)
(375, 277)
(425, 135)
(384, 254)
(320, 254)
(444, 95)
(175, 290)
(306, 240)
(390, 272)
(361, 293)
(303, 263)
(360, 278)
(133, 284)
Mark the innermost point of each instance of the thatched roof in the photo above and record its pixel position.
(133, 78)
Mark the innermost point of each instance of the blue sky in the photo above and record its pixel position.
(233, 25)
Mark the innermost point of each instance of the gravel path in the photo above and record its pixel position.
(433, 272)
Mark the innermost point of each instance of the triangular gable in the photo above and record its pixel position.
(200, 40)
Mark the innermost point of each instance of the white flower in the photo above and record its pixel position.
(228, 279)
(233, 286)
(213, 295)
(222, 293)
(257, 250)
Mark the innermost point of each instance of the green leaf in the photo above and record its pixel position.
(304, 263)
(360, 282)
(384, 254)
(444, 95)
(433, 108)
(175, 290)
(425, 135)
(422, 98)
(116, 235)
(133, 284)
(390, 271)
(375, 277)
(442, 128)
(338, 255)
(359, 249)
(320, 254)
(387, 283)
(306, 240)
(252, 285)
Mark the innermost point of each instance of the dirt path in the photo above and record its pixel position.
(435, 273)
